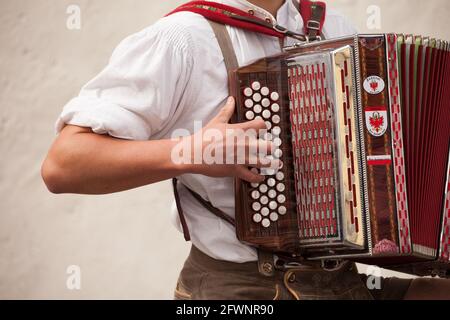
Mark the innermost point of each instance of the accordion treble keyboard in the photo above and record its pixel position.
(267, 198)
(269, 206)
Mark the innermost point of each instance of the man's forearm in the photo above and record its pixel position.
(83, 162)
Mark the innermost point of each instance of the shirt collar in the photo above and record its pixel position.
(285, 15)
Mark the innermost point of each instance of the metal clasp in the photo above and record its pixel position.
(280, 29)
(332, 265)
(313, 25)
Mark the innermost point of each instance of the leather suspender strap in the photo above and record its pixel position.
(187, 235)
(208, 206)
(225, 44)
(266, 266)
(231, 63)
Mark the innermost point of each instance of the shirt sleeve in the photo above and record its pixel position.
(141, 88)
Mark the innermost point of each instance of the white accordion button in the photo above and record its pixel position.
(264, 200)
(281, 187)
(274, 217)
(250, 115)
(265, 91)
(266, 114)
(281, 198)
(265, 212)
(265, 102)
(257, 218)
(256, 85)
(276, 119)
(256, 206)
(263, 188)
(272, 194)
(257, 97)
(268, 125)
(271, 182)
(275, 107)
(248, 103)
(276, 131)
(266, 223)
(255, 195)
(282, 210)
(255, 185)
(275, 96)
(248, 92)
(273, 205)
(280, 176)
(278, 153)
(277, 142)
(257, 108)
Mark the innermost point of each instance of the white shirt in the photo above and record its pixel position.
(168, 76)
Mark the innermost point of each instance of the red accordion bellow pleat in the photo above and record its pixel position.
(426, 126)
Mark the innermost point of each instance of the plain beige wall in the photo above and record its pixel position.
(124, 243)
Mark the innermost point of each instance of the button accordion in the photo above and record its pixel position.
(362, 126)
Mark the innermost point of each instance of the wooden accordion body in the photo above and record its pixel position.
(363, 129)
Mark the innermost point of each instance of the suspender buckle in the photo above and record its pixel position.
(280, 29)
(313, 25)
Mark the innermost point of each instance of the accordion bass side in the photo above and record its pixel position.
(362, 126)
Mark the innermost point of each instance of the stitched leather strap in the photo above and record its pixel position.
(225, 44)
(187, 235)
(231, 63)
(208, 206)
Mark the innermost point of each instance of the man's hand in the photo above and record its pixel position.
(230, 150)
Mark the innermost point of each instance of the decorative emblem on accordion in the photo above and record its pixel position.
(377, 121)
(364, 152)
(374, 85)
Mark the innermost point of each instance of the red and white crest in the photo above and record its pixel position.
(374, 85)
(377, 120)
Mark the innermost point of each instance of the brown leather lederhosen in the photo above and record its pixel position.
(266, 260)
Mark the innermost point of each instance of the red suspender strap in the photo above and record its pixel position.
(228, 15)
(313, 14)
(234, 17)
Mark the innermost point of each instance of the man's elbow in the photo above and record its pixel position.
(53, 176)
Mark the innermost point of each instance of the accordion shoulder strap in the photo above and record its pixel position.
(313, 14)
(225, 44)
(231, 63)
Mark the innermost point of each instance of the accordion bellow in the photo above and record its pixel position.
(362, 126)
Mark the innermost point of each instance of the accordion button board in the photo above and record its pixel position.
(266, 199)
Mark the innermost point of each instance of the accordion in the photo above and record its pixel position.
(362, 127)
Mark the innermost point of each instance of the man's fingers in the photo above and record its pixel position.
(257, 125)
(259, 146)
(265, 162)
(243, 173)
(226, 112)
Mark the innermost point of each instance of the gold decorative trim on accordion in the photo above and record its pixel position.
(353, 119)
